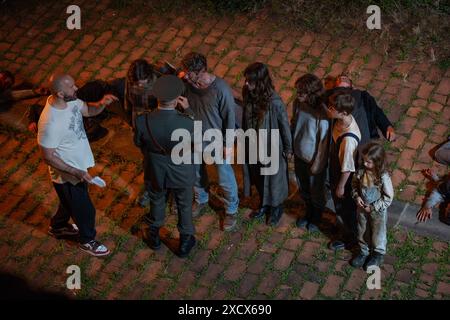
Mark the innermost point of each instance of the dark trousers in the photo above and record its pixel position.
(183, 199)
(75, 203)
(346, 211)
(312, 190)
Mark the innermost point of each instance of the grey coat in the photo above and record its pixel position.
(275, 186)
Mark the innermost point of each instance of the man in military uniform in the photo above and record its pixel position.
(153, 132)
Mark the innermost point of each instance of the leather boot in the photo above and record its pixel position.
(153, 238)
(187, 242)
(275, 215)
(260, 213)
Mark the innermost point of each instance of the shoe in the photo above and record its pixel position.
(301, 222)
(154, 241)
(187, 242)
(198, 208)
(312, 228)
(229, 222)
(358, 261)
(95, 248)
(275, 215)
(260, 213)
(144, 199)
(375, 259)
(336, 245)
(69, 230)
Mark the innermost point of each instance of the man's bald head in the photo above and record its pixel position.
(63, 86)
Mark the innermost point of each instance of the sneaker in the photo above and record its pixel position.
(301, 222)
(94, 248)
(375, 259)
(260, 213)
(358, 261)
(312, 228)
(198, 208)
(229, 222)
(336, 245)
(69, 230)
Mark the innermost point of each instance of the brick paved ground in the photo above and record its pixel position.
(256, 261)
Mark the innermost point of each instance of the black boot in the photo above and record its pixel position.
(154, 241)
(359, 260)
(376, 259)
(275, 215)
(260, 213)
(187, 242)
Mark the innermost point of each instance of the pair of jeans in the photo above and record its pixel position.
(227, 182)
(75, 203)
(372, 231)
(312, 190)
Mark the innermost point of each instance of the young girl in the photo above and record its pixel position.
(373, 192)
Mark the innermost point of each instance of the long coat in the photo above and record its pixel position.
(276, 187)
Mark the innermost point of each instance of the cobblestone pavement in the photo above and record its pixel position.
(256, 261)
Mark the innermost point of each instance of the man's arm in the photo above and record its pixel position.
(51, 158)
(381, 120)
(347, 159)
(91, 109)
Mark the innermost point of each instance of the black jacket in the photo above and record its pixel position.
(376, 118)
(153, 135)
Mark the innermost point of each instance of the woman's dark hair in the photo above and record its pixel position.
(310, 85)
(258, 74)
(375, 152)
(194, 61)
(140, 69)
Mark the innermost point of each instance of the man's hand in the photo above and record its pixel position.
(183, 102)
(32, 127)
(360, 203)
(390, 134)
(108, 99)
(430, 174)
(367, 209)
(82, 175)
(288, 155)
(340, 192)
(424, 214)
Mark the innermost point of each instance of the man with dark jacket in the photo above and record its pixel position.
(369, 116)
(153, 131)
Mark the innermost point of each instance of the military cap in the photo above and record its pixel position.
(167, 88)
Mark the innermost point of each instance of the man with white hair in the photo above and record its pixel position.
(65, 148)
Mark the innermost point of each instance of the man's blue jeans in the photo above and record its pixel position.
(227, 182)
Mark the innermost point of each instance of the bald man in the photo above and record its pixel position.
(65, 148)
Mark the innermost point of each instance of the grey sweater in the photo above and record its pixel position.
(310, 129)
(214, 106)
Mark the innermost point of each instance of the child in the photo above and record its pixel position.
(310, 130)
(343, 155)
(373, 192)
